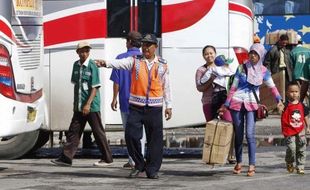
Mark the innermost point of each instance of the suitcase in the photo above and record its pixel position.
(217, 141)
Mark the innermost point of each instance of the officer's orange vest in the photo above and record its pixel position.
(147, 85)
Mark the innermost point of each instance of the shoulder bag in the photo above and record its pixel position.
(262, 111)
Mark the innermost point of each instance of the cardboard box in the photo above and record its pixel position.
(273, 37)
(292, 37)
(218, 137)
(265, 94)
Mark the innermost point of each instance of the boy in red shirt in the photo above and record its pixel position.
(294, 125)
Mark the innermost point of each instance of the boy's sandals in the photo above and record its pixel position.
(237, 169)
(290, 168)
(251, 172)
(300, 171)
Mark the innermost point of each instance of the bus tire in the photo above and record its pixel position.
(41, 141)
(16, 146)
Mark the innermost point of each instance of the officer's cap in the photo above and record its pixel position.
(150, 38)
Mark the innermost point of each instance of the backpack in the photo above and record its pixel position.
(232, 77)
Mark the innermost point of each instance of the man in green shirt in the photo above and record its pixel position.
(300, 57)
(86, 108)
(303, 69)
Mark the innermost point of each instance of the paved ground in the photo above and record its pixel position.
(37, 173)
(182, 166)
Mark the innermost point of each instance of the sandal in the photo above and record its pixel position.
(251, 172)
(290, 167)
(301, 171)
(237, 169)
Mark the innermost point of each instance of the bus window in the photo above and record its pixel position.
(118, 17)
(149, 17)
(280, 7)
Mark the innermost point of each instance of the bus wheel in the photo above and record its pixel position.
(43, 138)
(13, 147)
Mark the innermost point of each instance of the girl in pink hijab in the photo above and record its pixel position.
(242, 103)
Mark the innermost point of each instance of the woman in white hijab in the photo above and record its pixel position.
(242, 103)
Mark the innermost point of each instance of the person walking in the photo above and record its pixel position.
(278, 58)
(242, 103)
(294, 123)
(85, 77)
(300, 58)
(121, 86)
(208, 88)
(213, 94)
(150, 87)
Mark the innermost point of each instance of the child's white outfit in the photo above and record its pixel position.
(221, 73)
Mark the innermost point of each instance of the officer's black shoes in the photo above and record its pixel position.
(153, 176)
(136, 174)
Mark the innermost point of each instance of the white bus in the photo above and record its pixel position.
(22, 104)
(183, 28)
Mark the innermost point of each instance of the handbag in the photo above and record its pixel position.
(262, 111)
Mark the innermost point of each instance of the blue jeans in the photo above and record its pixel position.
(247, 118)
(124, 116)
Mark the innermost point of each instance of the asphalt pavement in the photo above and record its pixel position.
(38, 173)
(182, 166)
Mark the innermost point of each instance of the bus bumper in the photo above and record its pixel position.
(19, 117)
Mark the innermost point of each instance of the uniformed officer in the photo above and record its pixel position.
(149, 88)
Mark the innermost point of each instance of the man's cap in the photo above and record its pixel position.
(221, 60)
(83, 44)
(151, 38)
(133, 35)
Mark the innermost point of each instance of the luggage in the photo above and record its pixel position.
(218, 137)
(273, 37)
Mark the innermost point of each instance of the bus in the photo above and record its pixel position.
(183, 28)
(282, 14)
(23, 106)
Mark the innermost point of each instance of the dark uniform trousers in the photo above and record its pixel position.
(152, 119)
(76, 129)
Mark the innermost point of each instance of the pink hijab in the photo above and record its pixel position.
(255, 72)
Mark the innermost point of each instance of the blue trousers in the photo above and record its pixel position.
(152, 120)
(124, 116)
(244, 119)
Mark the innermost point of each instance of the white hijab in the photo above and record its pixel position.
(254, 71)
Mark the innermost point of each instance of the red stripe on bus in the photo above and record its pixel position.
(4, 28)
(182, 15)
(87, 25)
(241, 9)
(29, 98)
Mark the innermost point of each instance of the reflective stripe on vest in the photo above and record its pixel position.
(146, 85)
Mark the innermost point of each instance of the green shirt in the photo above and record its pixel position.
(300, 57)
(85, 77)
